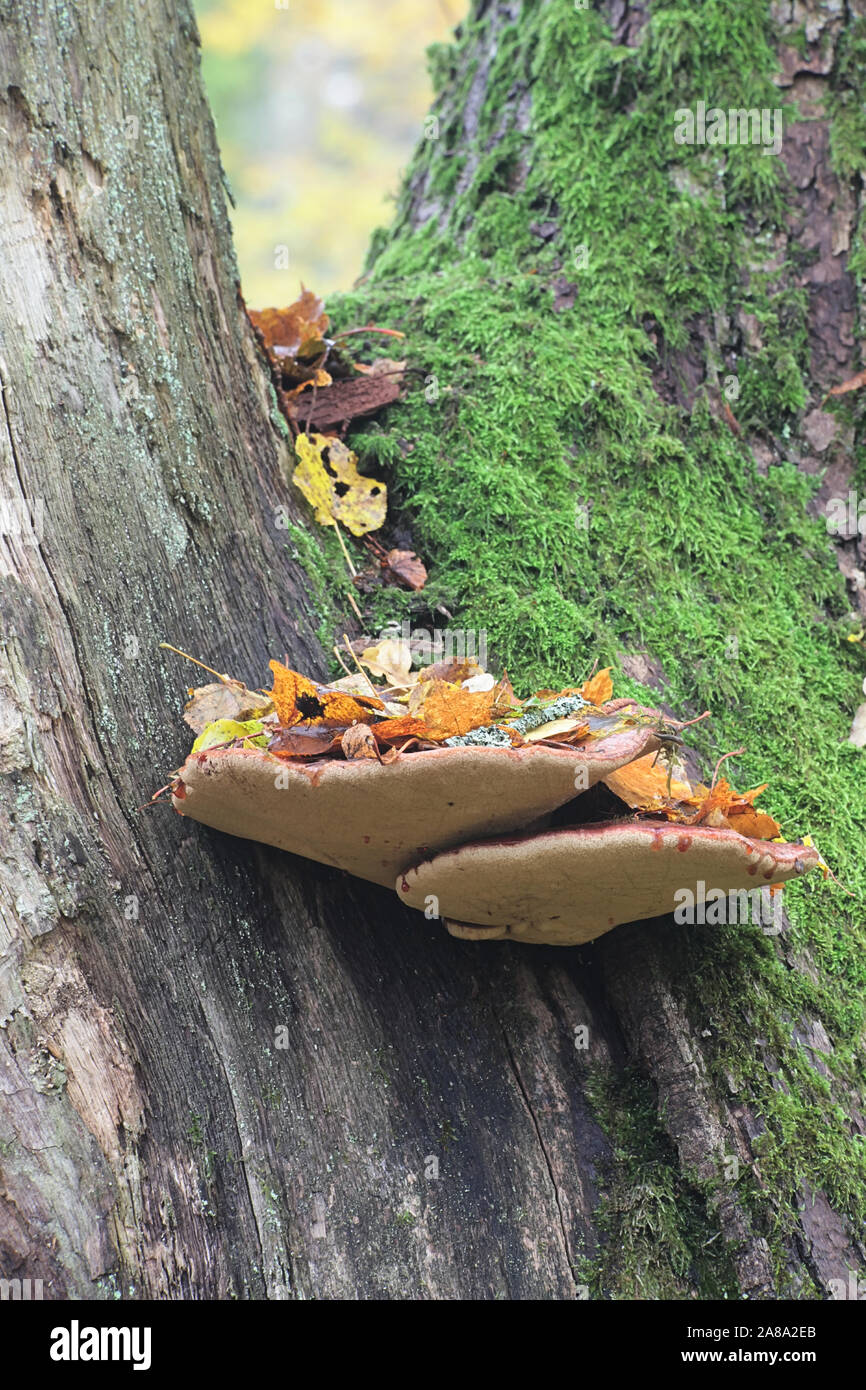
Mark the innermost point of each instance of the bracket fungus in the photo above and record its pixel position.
(570, 885)
(376, 820)
(458, 811)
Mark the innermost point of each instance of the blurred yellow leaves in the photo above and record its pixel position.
(319, 105)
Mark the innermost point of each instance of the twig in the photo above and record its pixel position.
(359, 666)
(346, 555)
(339, 657)
(226, 680)
(370, 328)
(735, 754)
(154, 799)
(688, 723)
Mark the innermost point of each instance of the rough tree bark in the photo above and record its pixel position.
(154, 1141)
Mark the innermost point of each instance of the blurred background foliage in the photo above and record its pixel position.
(318, 106)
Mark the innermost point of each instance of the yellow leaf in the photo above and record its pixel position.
(553, 728)
(223, 731)
(328, 476)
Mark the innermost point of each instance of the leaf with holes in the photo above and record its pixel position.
(327, 474)
(296, 698)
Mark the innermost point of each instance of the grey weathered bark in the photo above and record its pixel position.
(154, 1140)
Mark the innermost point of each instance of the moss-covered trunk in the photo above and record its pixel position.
(672, 1112)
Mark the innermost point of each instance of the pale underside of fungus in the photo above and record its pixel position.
(465, 829)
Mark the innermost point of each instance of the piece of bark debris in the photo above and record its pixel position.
(331, 406)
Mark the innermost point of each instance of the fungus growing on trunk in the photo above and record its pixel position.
(507, 818)
(572, 884)
(374, 819)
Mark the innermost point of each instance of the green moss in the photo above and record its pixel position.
(572, 515)
(318, 552)
(847, 107)
(660, 1238)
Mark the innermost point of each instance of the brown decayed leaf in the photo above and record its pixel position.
(224, 700)
(452, 668)
(730, 419)
(346, 400)
(297, 698)
(384, 366)
(304, 742)
(559, 730)
(297, 331)
(404, 567)
(504, 698)
(852, 384)
(358, 742)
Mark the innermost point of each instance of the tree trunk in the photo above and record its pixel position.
(434, 1129)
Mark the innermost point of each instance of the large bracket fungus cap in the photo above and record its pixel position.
(566, 886)
(375, 820)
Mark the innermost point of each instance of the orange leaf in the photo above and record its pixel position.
(297, 698)
(644, 787)
(757, 825)
(318, 378)
(598, 688)
(449, 710)
(386, 730)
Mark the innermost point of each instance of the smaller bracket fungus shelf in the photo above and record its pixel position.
(567, 886)
(445, 785)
